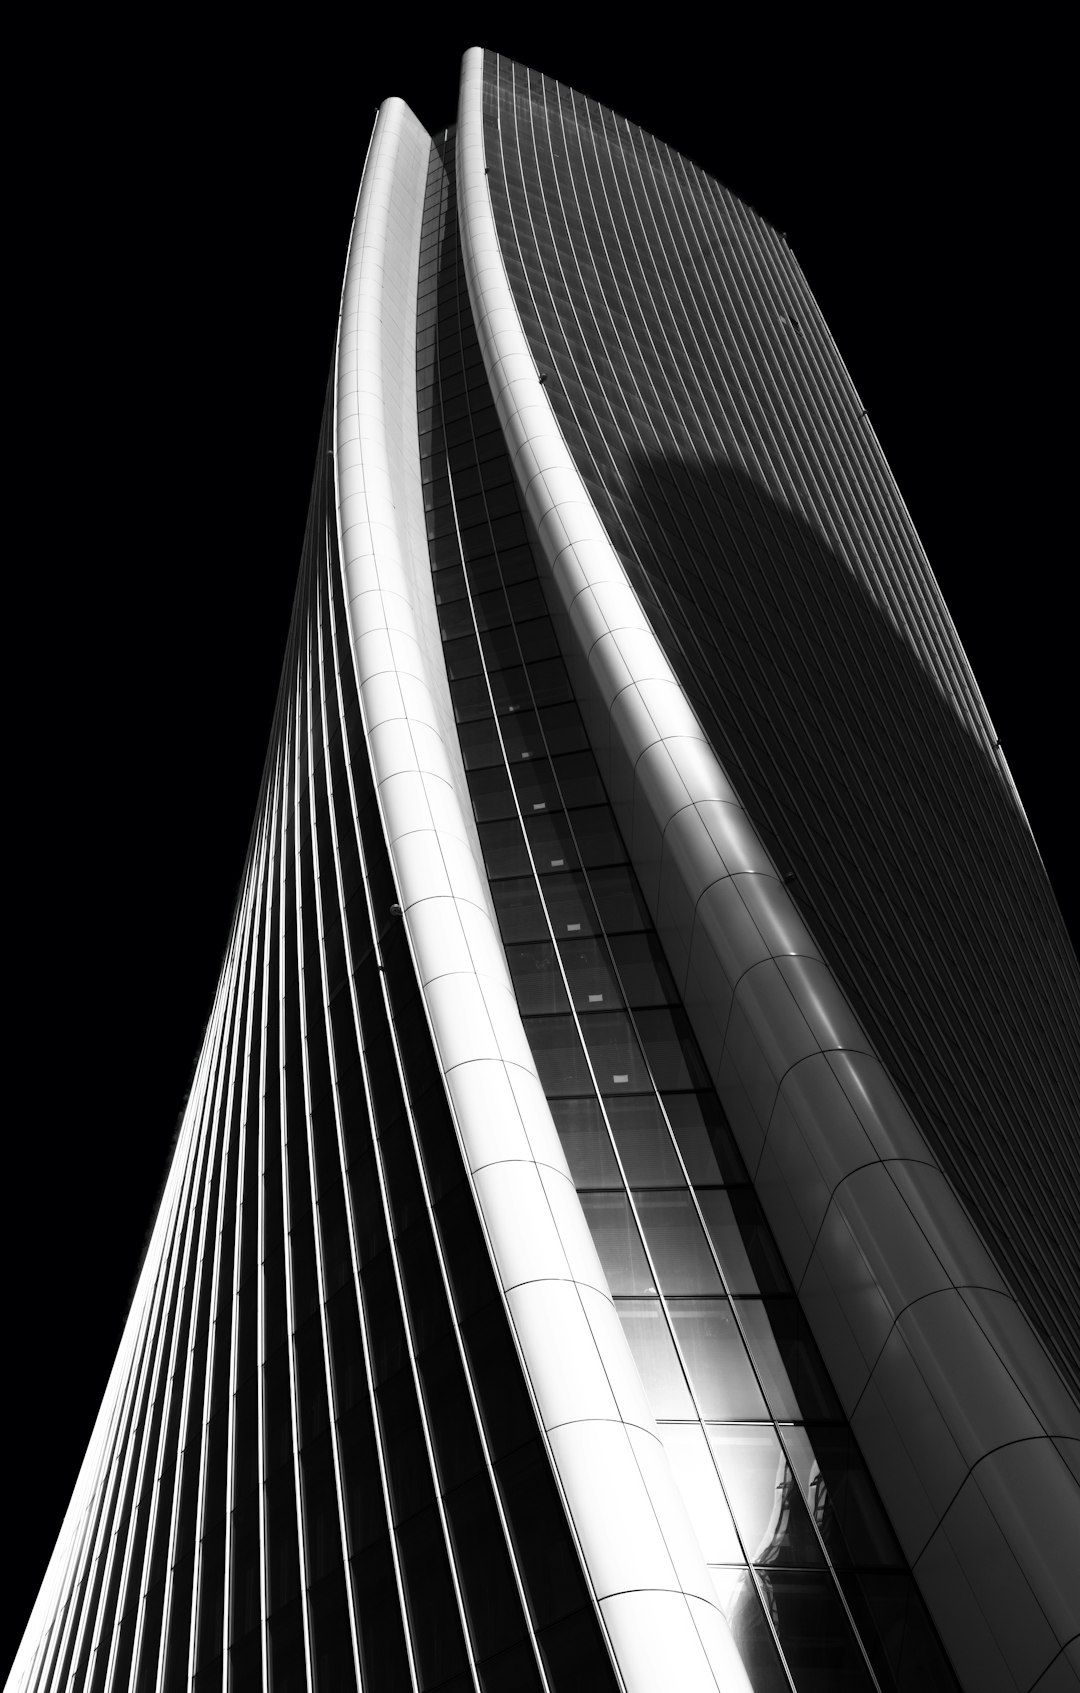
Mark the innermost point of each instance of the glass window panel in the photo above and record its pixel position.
(510, 689)
(492, 610)
(560, 1059)
(816, 1638)
(588, 970)
(537, 979)
(677, 1243)
(535, 785)
(470, 697)
(598, 838)
(455, 619)
(462, 657)
(579, 779)
(518, 908)
(695, 1473)
(492, 795)
(671, 1048)
(615, 1053)
(521, 736)
(764, 1495)
(716, 1360)
(741, 1605)
(744, 1245)
(586, 1143)
(654, 1352)
(571, 910)
(705, 1141)
(563, 729)
(552, 841)
(842, 1499)
(640, 962)
(618, 1243)
(787, 1360)
(550, 683)
(479, 743)
(504, 849)
(618, 899)
(645, 1146)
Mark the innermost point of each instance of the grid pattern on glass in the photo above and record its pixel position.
(732, 463)
(706, 1306)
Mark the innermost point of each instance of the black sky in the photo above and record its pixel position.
(191, 198)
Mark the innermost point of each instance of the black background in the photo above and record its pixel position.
(184, 201)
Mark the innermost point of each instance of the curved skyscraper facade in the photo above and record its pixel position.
(623, 1232)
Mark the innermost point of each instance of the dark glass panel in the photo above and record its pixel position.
(716, 1360)
(586, 1142)
(671, 1049)
(434, 1621)
(743, 1242)
(787, 1360)
(579, 780)
(409, 1472)
(567, 899)
(643, 970)
(287, 1668)
(615, 1053)
(331, 1640)
(510, 688)
(597, 835)
(575, 1655)
(512, 1671)
(560, 1058)
(552, 840)
(491, 794)
(589, 972)
(815, 1635)
(480, 743)
(537, 979)
(705, 1141)
(492, 1603)
(842, 1499)
(547, 1558)
(519, 911)
(451, 1419)
(618, 899)
(645, 1146)
(535, 786)
(504, 848)
(383, 1655)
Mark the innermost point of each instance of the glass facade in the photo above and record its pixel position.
(732, 1374)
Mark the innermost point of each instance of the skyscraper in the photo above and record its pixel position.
(617, 675)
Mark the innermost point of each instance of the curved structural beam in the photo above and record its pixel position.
(889, 1270)
(647, 1574)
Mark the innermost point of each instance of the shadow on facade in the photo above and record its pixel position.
(902, 837)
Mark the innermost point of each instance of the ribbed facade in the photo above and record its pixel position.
(644, 1000)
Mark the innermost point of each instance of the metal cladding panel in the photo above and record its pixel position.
(667, 463)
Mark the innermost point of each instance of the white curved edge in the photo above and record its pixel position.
(867, 1222)
(601, 1434)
